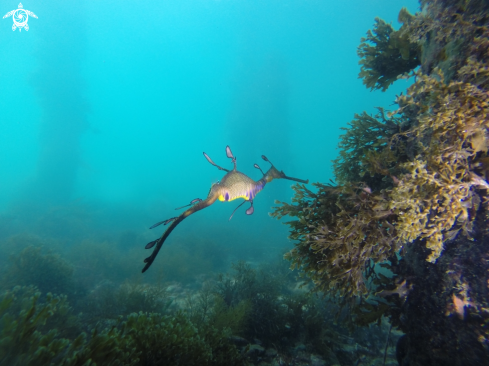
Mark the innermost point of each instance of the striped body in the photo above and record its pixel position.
(238, 185)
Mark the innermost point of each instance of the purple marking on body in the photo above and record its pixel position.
(226, 197)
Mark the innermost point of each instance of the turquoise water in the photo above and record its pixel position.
(109, 105)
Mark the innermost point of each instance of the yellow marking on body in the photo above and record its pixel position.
(222, 199)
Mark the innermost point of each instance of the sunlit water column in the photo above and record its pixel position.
(60, 88)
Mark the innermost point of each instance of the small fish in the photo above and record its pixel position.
(402, 290)
(395, 180)
(367, 189)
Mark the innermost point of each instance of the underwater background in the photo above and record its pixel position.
(106, 108)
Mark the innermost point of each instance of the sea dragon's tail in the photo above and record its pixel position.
(211, 198)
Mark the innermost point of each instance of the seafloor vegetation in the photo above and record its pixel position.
(390, 266)
(87, 305)
(403, 232)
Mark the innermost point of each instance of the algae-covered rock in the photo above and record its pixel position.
(404, 232)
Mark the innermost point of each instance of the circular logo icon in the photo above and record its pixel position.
(20, 18)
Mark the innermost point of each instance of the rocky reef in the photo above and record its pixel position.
(63, 306)
(403, 232)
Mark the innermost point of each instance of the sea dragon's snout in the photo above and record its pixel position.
(279, 174)
(232, 186)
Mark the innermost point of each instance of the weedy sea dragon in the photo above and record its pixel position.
(232, 186)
